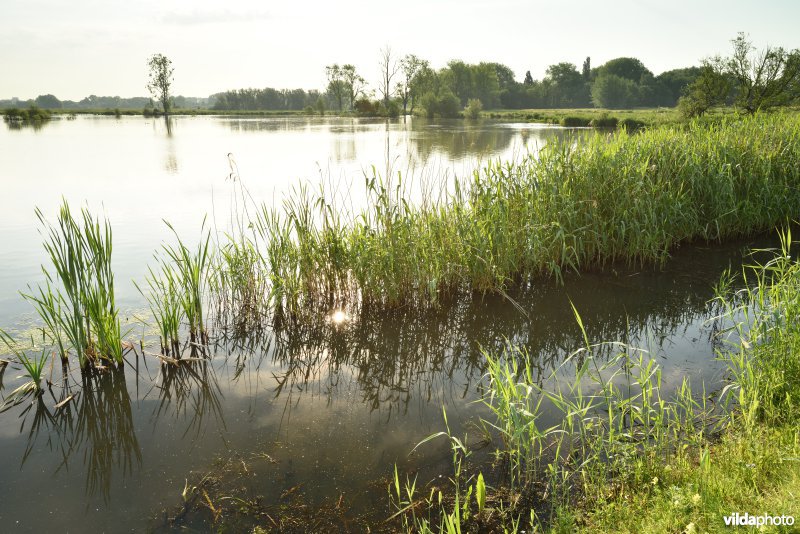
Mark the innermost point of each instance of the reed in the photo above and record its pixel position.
(77, 300)
(191, 276)
(166, 305)
(33, 365)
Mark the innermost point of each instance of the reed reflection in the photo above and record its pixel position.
(189, 392)
(434, 354)
(91, 420)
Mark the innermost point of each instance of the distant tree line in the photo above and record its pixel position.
(104, 102)
(265, 99)
(749, 79)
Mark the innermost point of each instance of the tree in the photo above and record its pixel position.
(459, 78)
(505, 76)
(613, 92)
(711, 88)
(407, 89)
(485, 84)
(47, 102)
(625, 67)
(336, 85)
(765, 78)
(586, 72)
(160, 80)
(354, 84)
(389, 68)
(673, 84)
(528, 78)
(448, 104)
(568, 88)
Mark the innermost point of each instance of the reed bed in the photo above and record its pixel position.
(575, 206)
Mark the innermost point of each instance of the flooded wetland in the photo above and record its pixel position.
(297, 418)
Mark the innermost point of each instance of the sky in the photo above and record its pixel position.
(82, 47)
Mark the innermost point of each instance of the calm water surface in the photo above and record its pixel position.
(330, 408)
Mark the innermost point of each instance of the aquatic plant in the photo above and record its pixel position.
(191, 270)
(77, 300)
(166, 305)
(33, 366)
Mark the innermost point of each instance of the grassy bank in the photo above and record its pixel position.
(754, 464)
(648, 117)
(625, 455)
(575, 207)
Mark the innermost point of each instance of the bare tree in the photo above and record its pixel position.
(160, 80)
(410, 66)
(389, 69)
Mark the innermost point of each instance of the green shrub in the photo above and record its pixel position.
(31, 114)
(366, 108)
(430, 103)
(393, 109)
(474, 108)
(574, 122)
(449, 106)
(604, 122)
(631, 125)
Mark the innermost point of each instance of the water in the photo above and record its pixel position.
(324, 409)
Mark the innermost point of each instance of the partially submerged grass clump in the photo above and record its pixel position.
(166, 306)
(77, 301)
(33, 365)
(191, 269)
(178, 292)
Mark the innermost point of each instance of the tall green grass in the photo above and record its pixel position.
(77, 301)
(178, 291)
(576, 206)
(192, 273)
(166, 305)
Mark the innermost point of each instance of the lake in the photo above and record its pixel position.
(305, 416)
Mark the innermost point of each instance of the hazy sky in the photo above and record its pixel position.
(81, 47)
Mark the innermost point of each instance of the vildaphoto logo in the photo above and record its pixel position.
(746, 520)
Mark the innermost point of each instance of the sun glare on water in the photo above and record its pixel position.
(338, 317)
